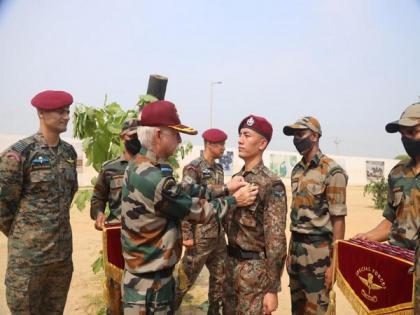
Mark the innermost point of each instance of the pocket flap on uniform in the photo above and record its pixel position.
(247, 219)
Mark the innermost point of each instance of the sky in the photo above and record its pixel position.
(353, 64)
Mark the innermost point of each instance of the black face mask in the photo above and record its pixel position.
(132, 146)
(411, 146)
(302, 145)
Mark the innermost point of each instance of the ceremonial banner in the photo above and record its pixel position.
(375, 277)
(113, 259)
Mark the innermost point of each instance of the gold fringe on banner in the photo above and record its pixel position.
(332, 303)
(359, 306)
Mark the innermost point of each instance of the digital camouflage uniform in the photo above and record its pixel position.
(209, 239)
(257, 244)
(37, 185)
(152, 209)
(319, 192)
(108, 190)
(403, 205)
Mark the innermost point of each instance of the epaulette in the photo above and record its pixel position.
(219, 166)
(106, 163)
(69, 147)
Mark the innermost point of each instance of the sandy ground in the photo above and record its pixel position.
(86, 288)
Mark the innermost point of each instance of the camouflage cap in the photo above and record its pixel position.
(409, 118)
(307, 122)
(129, 127)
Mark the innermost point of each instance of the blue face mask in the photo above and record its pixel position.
(302, 145)
(411, 146)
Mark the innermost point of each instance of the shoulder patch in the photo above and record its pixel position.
(13, 155)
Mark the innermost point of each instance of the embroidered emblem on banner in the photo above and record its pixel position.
(373, 280)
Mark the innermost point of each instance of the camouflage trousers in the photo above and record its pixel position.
(245, 286)
(308, 261)
(148, 296)
(212, 253)
(112, 292)
(39, 289)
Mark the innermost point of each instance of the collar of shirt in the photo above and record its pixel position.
(314, 162)
(410, 165)
(206, 164)
(150, 155)
(57, 150)
(255, 170)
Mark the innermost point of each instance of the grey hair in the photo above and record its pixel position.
(145, 135)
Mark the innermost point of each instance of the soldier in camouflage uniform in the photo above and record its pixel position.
(108, 190)
(152, 209)
(109, 182)
(38, 180)
(205, 243)
(402, 211)
(256, 233)
(317, 219)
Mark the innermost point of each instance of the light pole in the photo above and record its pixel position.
(212, 83)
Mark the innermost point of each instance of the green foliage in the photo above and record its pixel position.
(144, 100)
(100, 128)
(378, 190)
(98, 264)
(402, 157)
(82, 197)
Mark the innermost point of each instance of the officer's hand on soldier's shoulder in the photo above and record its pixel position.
(235, 183)
(188, 243)
(246, 195)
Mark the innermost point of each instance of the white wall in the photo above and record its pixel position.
(354, 166)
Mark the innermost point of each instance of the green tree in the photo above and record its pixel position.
(378, 190)
(402, 157)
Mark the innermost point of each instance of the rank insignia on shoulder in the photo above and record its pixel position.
(166, 170)
(70, 161)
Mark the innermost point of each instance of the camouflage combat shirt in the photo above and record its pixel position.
(153, 205)
(403, 204)
(108, 189)
(319, 192)
(261, 226)
(199, 171)
(37, 185)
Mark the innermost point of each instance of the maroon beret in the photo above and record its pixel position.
(214, 135)
(50, 100)
(163, 113)
(258, 124)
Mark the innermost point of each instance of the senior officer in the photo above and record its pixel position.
(317, 218)
(256, 233)
(205, 243)
(152, 209)
(38, 180)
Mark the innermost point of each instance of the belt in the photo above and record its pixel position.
(158, 274)
(239, 253)
(310, 238)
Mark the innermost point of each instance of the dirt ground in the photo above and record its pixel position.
(86, 288)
